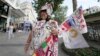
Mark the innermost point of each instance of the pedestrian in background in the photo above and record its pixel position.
(10, 31)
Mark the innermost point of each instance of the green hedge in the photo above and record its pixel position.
(91, 51)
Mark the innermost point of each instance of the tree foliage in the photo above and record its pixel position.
(60, 13)
(38, 3)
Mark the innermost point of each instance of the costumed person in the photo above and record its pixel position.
(43, 39)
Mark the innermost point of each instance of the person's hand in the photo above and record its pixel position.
(26, 47)
(54, 31)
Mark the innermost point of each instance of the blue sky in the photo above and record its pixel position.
(84, 3)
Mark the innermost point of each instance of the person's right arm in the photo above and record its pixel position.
(27, 44)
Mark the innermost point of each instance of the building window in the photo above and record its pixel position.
(3, 8)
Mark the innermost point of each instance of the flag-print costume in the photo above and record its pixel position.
(43, 42)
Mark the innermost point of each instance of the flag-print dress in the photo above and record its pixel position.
(43, 42)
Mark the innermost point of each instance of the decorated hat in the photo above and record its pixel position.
(47, 8)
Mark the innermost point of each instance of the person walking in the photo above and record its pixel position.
(10, 31)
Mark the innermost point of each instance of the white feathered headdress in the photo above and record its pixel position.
(47, 7)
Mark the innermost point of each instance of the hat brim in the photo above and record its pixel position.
(43, 10)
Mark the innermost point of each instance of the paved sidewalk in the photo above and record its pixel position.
(14, 46)
(60, 51)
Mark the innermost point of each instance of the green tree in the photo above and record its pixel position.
(38, 3)
(60, 14)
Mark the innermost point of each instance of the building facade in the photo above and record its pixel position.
(16, 11)
(13, 12)
(92, 16)
(4, 9)
(30, 13)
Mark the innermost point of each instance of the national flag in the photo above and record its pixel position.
(73, 39)
(48, 43)
(65, 26)
(44, 46)
(71, 21)
(79, 20)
